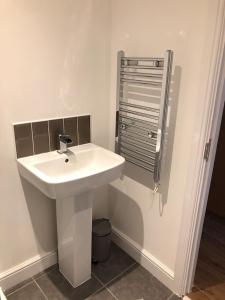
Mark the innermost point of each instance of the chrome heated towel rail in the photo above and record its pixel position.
(143, 94)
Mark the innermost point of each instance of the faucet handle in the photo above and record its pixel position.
(65, 138)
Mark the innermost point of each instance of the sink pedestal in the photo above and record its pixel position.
(74, 227)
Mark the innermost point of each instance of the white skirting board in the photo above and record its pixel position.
(27, 269)
(38, 263)
(142, 256)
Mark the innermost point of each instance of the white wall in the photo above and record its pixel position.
(148, 28)
(54, 59)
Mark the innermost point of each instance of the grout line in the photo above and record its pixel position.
(117, 276)
(42, 274)
(78, 136)
(114, 278)
(170, 296)
(123, 272)
(49, 146)
(32, 136)
(111, 293)
(96, 292)
(50, 119)
(19, 288)
(103, 285)
(63, 126)
(31, 281)
(40, 289)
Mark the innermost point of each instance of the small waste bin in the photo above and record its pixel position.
(101, 240)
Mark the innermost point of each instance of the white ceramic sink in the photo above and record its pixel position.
(70, 179)
(81, 169)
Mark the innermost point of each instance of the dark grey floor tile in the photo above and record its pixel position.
(28, 292)
(18, 286)
(55, 286)
(54, 267)
(118, 262)
(101, 295)
(86, 289)
(138, 283)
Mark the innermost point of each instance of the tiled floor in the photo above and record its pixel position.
(119, 278)
(210, 273)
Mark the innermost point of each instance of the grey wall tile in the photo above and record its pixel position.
(70, 127)
(84, 129)
(55, 128)
(23, 139)
(45, 134)
(40, 137)
(117, 122)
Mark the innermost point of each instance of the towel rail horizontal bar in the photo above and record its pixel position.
(137, 158)
(144, 58)
(141, 67)
(137, 146)
(156, 110)
(137, 152)
(145, 82)
(141, 74)
(140, 140)
(154, 125)
(138, 113)
(137, 163)
(138, 127)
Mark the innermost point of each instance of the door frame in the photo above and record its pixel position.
(200, 172)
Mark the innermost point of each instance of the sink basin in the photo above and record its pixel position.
(81, 169)
(70, 179)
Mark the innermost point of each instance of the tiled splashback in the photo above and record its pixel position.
(38, 137)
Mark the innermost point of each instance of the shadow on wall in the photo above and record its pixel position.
(169, 136)
(121, 202)
(42, 212)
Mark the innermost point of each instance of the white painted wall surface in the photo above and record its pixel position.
(148, 28)
(54, 59)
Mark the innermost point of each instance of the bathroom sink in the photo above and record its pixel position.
(70, 179)
(61, 175)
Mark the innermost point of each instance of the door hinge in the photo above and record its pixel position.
(207, 149)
